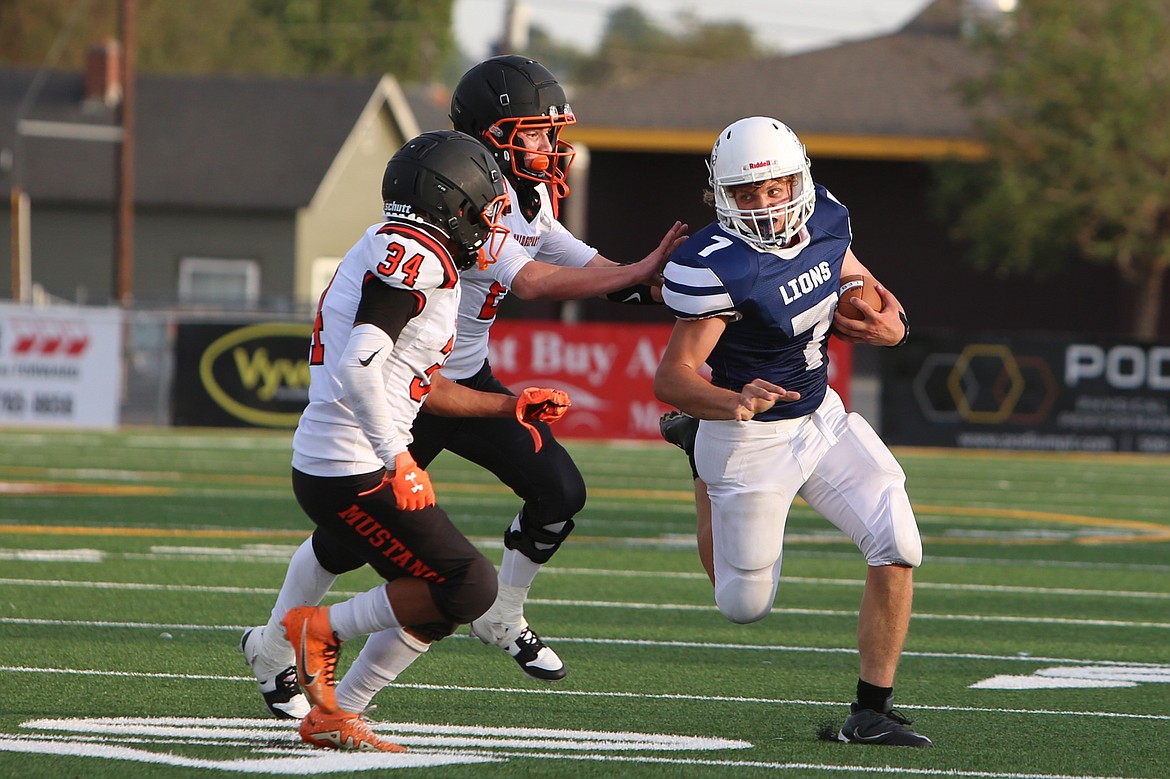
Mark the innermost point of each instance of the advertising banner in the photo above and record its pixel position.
(60, 366)
(1028, 391)
(241, 375)
(257, 375)
(607, 369)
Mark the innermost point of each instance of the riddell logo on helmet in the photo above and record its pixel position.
(761, 164)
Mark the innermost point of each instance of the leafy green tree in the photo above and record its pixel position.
(215, 36)
(31, 29)
(562, 59)
(173, 37)
(633, 47)
(412, 39)
(1076, 111)
(409, 38)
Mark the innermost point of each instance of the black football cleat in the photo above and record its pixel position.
(890, 727)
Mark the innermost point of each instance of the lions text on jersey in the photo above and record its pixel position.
(779, 304)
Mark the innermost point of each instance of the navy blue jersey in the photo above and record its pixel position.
(779, 304)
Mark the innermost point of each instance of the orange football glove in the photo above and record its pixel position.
(410, 483)
(537, 404)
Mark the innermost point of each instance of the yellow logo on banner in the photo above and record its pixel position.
(985, 384)
(257, 371)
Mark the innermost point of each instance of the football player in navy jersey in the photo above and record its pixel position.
(755, 297)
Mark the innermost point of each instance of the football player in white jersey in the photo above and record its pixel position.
(517, 109)
(384, 326)
(755, 296)
(530, 109)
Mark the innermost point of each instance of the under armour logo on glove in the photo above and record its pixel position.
(410, 483)
(537, 404)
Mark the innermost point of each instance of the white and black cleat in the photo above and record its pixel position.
(535, 658)
(282, 695)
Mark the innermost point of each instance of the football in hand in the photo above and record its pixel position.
(857, 286)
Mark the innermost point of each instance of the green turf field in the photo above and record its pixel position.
(130, 562)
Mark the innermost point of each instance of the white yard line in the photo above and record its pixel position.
(700, 645)
(606, 694)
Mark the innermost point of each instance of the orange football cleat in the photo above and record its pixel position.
(343, 730)
(316, 646)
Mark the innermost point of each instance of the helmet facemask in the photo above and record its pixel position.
(489, 243)
(770, 227)
(549, 167)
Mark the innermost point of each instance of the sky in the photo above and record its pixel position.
(789, 26)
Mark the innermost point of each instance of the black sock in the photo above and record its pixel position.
(872, 697)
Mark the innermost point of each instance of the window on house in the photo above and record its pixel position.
(216, 282)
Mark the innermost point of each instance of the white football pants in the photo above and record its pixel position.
(754, 470)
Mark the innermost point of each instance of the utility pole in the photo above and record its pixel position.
(124, 234)
(21, 264)
(514, 39)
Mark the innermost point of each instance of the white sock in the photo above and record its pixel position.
(509, 606)
(386, 654)
(365, 613)
(305, 584)
(516, 570)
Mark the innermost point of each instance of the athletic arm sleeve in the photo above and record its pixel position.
(381, 315)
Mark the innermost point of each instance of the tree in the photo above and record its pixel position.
(410, 38)
(1075, 108)
(562, 59)
(632, 47)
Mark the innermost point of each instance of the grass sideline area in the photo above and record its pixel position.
(132, 560)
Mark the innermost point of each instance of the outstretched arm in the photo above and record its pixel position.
(535, 404)
(449, 399)
(544, 281)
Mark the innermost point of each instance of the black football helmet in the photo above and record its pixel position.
(450, 180)
(505, 95)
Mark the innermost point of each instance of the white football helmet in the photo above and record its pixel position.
(758, 149)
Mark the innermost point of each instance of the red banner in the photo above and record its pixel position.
(608, 371)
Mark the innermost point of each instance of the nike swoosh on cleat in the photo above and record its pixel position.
(309, 678)
(366, 362)
(875, 737)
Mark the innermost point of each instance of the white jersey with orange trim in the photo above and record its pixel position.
(543, 239)
(333, 438)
